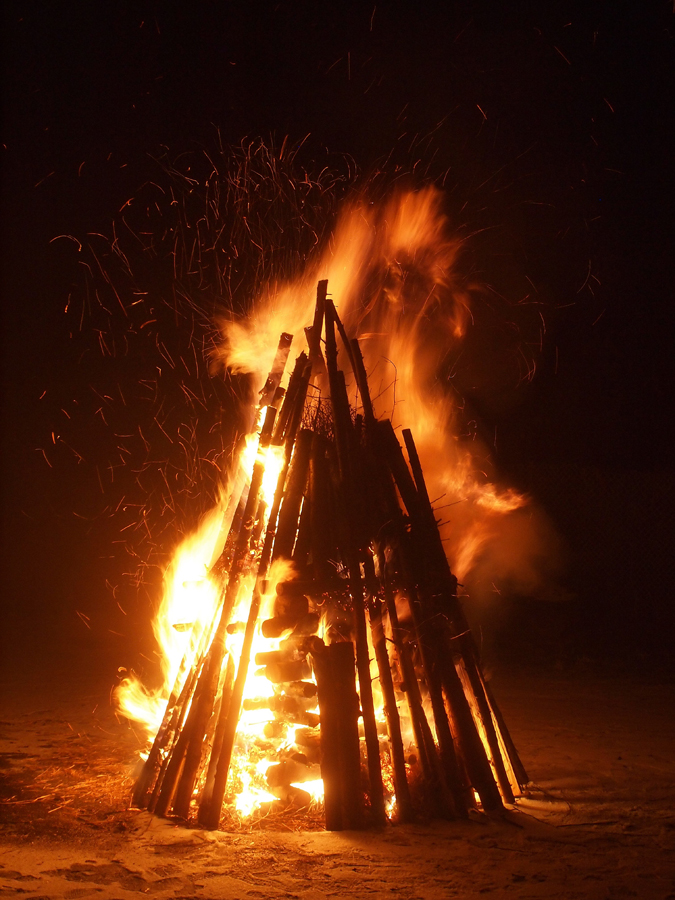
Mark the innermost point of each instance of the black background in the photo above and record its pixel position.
(550, 128)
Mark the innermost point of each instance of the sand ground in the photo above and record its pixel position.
(599, 821)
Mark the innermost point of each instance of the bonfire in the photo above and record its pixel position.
(317, 656)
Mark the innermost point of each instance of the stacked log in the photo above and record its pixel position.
(370, 578)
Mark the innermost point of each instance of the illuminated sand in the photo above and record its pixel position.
(600, 824)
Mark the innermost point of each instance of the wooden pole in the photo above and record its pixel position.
(343, 425)
(403, 800)
(340, 757)
(322, 535)
(295, 488)
(441, 797)
(435, 579)
(269, 393)
(313, 334)
(145, 780)
(226, 695)
(438, 571)
(446, 770)
(178, 719)
(211, 816)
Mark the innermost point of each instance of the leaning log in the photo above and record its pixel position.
(443, 584)
(403, 800)
(343, 427)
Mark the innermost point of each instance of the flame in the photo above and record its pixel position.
(272, 458)
(392, 271)
(250, 797)
(252, 789)
(191, 595)
(313, 788)
(187, 609)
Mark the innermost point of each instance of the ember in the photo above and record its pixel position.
(320, 650)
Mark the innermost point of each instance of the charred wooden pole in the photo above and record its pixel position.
(313, 333)
(343, 425)
(438, 795)
(170, 722)
(218, 737)
(340, 758)
(211, 815)
(290, 508)
(322, 537)
(426, 629)
(403, 799)
(269, 395)
(433, 622)
(423, 738)
(168, 742)
(444, 771)
(461, 635)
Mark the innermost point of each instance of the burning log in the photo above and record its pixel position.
(340, 758)
(274, 628)
(219, 736)
(354, 519)
(293, 494)
(403, 798)
(309, 740)
(212, 811)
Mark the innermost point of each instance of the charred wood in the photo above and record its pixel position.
(445, 585)
(223, 712)
(340, 757)
(403, 800)
(290, 507)
(343, 429)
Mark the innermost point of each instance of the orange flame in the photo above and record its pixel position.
(392, 271)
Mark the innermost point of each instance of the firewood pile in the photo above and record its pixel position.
(370, 577)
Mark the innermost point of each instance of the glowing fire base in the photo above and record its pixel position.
(334, 578)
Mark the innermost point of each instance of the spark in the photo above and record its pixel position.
(85, 618)
(70, 237)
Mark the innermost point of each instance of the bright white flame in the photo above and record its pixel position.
(251, 797)
(313, 788)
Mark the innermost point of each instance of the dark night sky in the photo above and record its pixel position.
(553, 129)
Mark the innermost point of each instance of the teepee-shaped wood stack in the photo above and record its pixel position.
(353, 515)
